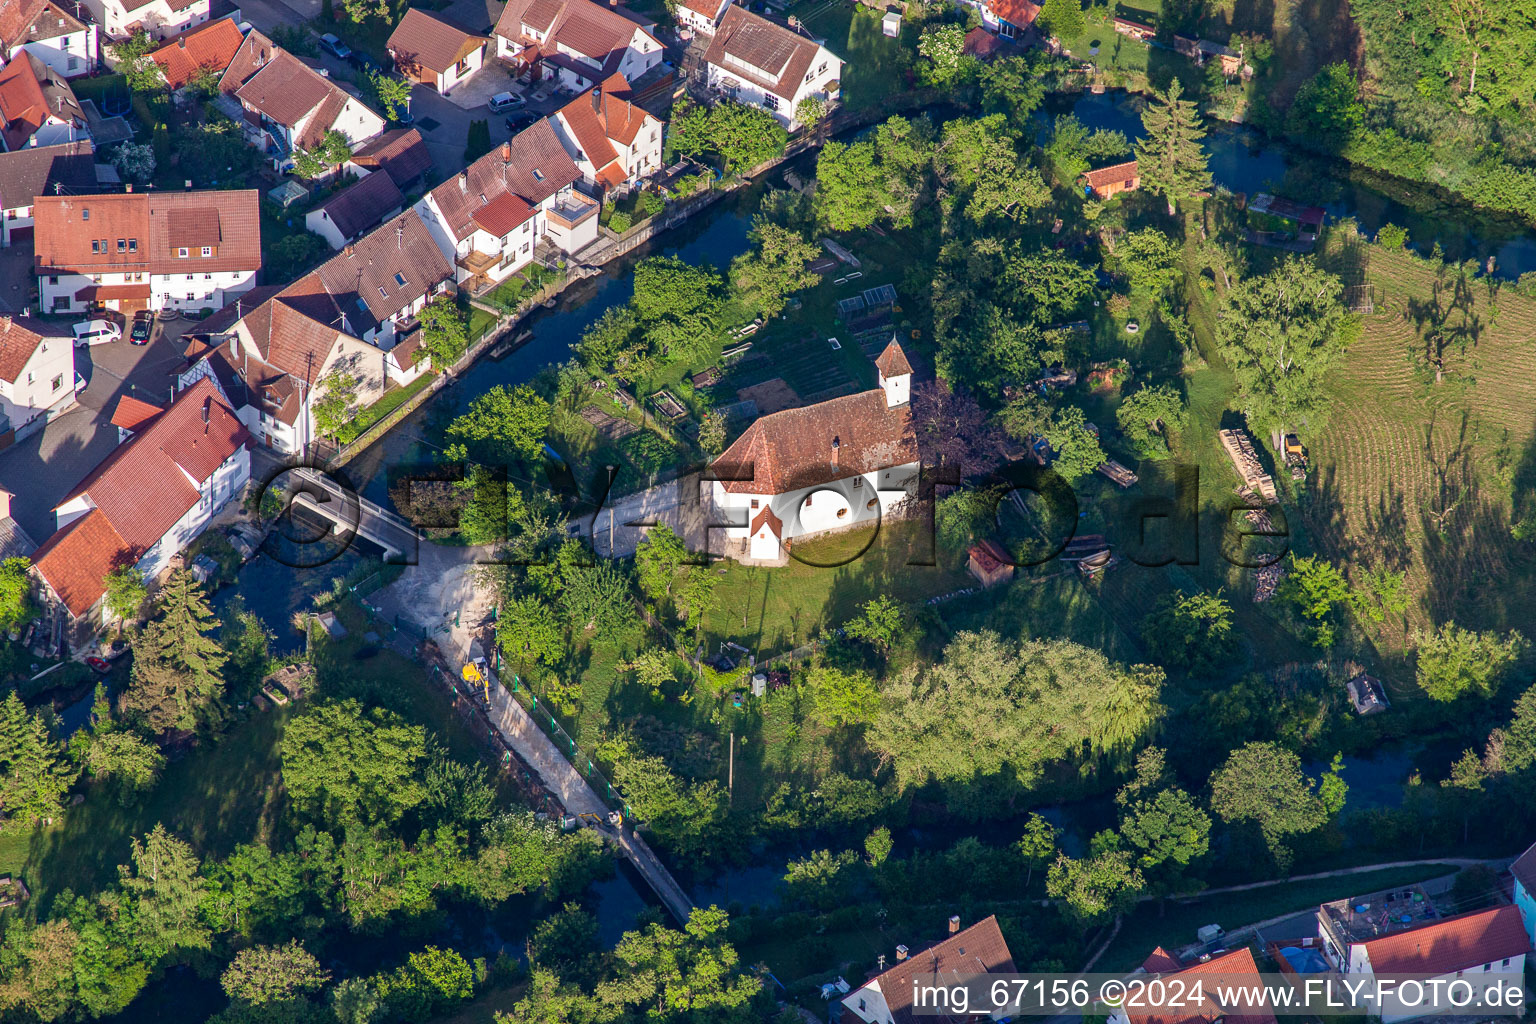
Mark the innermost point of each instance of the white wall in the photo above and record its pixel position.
(321, 224)
(70, 55)
(888, 487)
(170, 291)
(450, 78)
(215, 493)
(29, 400)
(825, 69)
(157, 18)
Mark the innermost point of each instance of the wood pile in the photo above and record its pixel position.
(1265, 580)
(1245, 459)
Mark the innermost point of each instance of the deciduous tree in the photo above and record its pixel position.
(1263, 783)
(1455, 662)
(342, 762)
(841, 698)
(503, 426)
(262, 974)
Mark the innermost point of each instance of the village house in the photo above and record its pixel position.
(1110, 181)
(67, 169)
(14, 541)
(161, 19)
(37, 376)
(613, 141)
(50, 33)
(1202, 1007)
(435, 52)
(207, 50)
(146, 501)
(842, 463)
(579, 42)
(1523, 871)
(491, 218)
(760, 62)
(37, 106)
(400, 153)
(701, 15)
(353, 211)
(357, 312)
(1403, 932)
(888, 997)
(287, 105)
(161, 250)
(1010, 19)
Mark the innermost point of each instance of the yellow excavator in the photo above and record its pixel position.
(472, 675)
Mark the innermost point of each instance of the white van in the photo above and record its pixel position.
(96, 332)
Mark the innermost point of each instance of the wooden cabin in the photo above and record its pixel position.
(1109, 181)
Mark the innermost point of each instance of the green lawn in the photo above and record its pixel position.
(1148, 926)
(388, 403)
(876, 65)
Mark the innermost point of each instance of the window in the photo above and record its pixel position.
(133, 245)
(858, 482)
(207, 277)
(770, 101)
(190, 276)
(400, 280)
(207, 295)
(95, 246)
(95, 279)
(525, 248)
(30, 377)
(207, 250)
(181, 253)
(538, 175)
(122, 245)
(823, 69)
(754, 503)
(1505, 963)
(85, 214)
(58, 382)
(191, 297)
(1487, 968)
(382, 293)
(74, 62)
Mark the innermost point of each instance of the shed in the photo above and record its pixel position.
(1108, 181)
(989, 563)
(1367, 694)
(891, 24)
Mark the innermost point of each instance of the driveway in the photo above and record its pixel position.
(42, 468)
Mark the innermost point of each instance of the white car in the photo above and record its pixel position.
(506, 101)
(96, 332)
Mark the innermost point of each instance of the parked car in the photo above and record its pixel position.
(517, 122)
(98, 664)
(143, 323)
(364, 63)
(334, 46)
(506, 101)
(96, 332)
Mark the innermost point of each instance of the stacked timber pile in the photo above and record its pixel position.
(1245, 459)
(1265, 580)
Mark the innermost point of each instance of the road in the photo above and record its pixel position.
(682, 504)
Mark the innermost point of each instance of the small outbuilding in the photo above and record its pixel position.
(1110, 181)
(989, 563)
(891, 24)
(434, 51)
(1367, 694)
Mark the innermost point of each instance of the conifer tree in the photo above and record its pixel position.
(1170, 160)
(177, 670)
(33, 771)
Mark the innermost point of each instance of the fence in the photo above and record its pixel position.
(546, 720)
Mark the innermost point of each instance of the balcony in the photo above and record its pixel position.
(570, 210)
(478, 262)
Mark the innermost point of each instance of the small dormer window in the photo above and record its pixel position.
(133, 245)
(538, 175)
(85, 213)
(95, 246)
(207, 250)
(400, 280)
(382, 293)
(181, 253)
(122, 245)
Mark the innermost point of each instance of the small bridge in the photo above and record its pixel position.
(352, 513)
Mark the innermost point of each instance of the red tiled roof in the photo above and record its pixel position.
(104, 292)
(774, 522)
(19, 338)
(75, 560)
(210, 46)
(1237, 962)
(23, 107)
(591, 29)
(26, 174)
(363, 204)
(708, 8)
(1161, 962)
(893, 361)
(252, 56)
(988, 556)
(286, 89)
(1108, 175)
(132, 413)
(783, 55)
(143, 486)
(509, 167)
(979, 949)
(981, 43)
(16, 17)
(600, 117)
(160, 223)
(401, 153)
(502, 214)
(430, 41)
(788, 450)
(1454, 944)
(1018, 13)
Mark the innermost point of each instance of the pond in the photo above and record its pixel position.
(1244, 159)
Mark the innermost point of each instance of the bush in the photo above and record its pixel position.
(619, 223)
(1392, 237)
(650, 204)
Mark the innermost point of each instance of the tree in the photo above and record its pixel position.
(993, 705)
(393, 92)
(879, 624)
(134, 64)
(37, 970)
(745, 136)
(841, 698)
(126, 592)
(685, 817)
(330, 152)
(458, 793)
(1037, 845)
(1327, 111)
(135, 161)
(34, 773)
(342, 763)
(361, 10)
(1013, 87)
(477, 140)
(1281, 333)
(178, 668)
(1454, 662)
(1147, 415)
(822, 879)
(429, 982)
(677, 303)
(1170, 158)
(444, 332)
(164, 892)
(810, 111)
(16, 607)
(941, 56)
(1385, 593)
(1167, 828)
(1192, 631)
(1150, 261)
(124, 756)
(333, 409)
(1077, 448)
(1263, 783)
(1073, 148)
(776, 269)
(529, 628)
(877, 846)
(502, 426)
(1062, 18)
(652, 668)
(657, 559)
(262, 974)
(978, 161)
(1096, 887)
(691, 975)
(1316, 588)
(848, 186)
(597, 596)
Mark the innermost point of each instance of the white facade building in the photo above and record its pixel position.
(162, 19)
(37, 375)
(53, 35)
(760, 62)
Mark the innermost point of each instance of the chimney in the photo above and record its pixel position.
(207, 406)
(597, 99)
(5, 504)
(901, 953)
(181, 43)
(506, 152)
(954, 924)
(350, 250)
(837, 444)
(463, 181)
